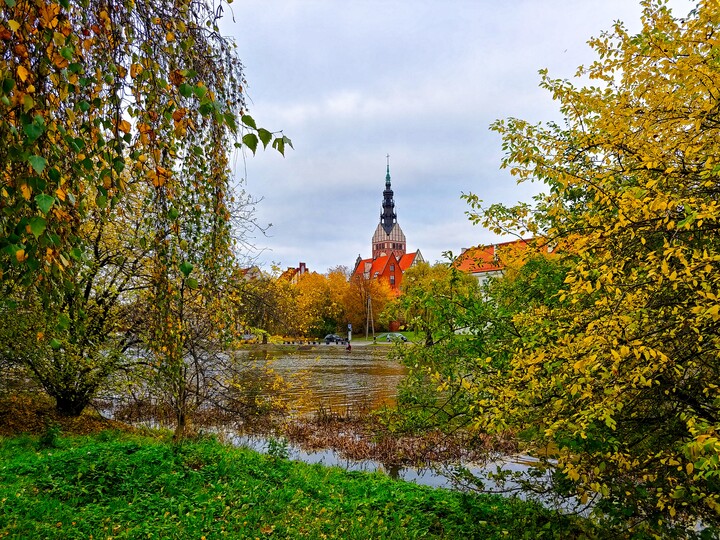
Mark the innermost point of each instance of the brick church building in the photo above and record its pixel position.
(389, 259)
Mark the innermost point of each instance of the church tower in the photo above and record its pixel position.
(389, 237)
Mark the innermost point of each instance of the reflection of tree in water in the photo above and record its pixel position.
(328, 377)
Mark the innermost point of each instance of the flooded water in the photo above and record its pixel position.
(330, 378)
(437, 475)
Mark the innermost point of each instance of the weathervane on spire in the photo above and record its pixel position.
(387, 176)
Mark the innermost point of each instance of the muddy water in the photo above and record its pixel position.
(330, 378)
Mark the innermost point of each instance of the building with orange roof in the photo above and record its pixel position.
(486, 261)
(389, 259)
(293, 274)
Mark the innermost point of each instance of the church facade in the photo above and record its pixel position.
(390, 258)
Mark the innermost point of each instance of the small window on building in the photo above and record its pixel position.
(392, 268)
(392, 280)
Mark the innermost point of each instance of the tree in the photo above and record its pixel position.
(95, 97)
(427, 292)
(71, 342)
(364, 301)
(619, 369)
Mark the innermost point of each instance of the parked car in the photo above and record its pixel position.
(395, 336)
(333, 338)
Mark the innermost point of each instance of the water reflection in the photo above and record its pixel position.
(436, 475)
(329, 377)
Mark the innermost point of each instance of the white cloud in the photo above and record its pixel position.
(349, 82)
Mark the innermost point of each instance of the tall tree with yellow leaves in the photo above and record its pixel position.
(620, 370)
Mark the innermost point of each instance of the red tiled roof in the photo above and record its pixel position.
(483, 258)
(377, 265)
(407, 260)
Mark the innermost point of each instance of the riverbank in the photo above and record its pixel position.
(124, 485)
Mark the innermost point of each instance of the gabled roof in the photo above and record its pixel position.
(289, 274)
(407, 260)
(484, 258)
(250, 273)
(377, 265)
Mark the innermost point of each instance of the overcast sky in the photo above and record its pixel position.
(350, 81)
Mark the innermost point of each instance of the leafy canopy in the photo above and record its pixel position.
(617, 366)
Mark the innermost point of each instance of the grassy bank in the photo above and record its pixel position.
(119, 485)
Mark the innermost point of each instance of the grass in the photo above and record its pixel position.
(124, 485)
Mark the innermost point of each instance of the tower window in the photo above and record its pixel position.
(392, 267)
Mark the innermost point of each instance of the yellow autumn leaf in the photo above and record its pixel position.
(20, 255)
(124, 126)
(23, 73)
(26, 191)
(135, 70)
(14, 25)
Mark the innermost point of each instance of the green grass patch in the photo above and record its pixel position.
(118, 485)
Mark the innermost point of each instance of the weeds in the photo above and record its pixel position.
(50, 437)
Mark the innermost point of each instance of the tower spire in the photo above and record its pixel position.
(388, 218)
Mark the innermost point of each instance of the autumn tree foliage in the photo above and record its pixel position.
(604, 347)
(364, 301)
(109, 110)
(618, 367)
(428, 292)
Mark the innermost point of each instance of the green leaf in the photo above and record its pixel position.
(200, 91)
(185, 90)
(37, 225)
(173, 213)
(38, 163)
(279, 145)
(55, 343)
(33, 131)
(251, 141)
(67, 53)
(192, 283)
(84, 106)
(186, 268)
(8, 85)
(248, 121)
(28, 102)
(44, 202)
(265, 136)
(63, 322)
(101, 201)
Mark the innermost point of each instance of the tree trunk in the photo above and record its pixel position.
(180, 426)
(71, 406)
